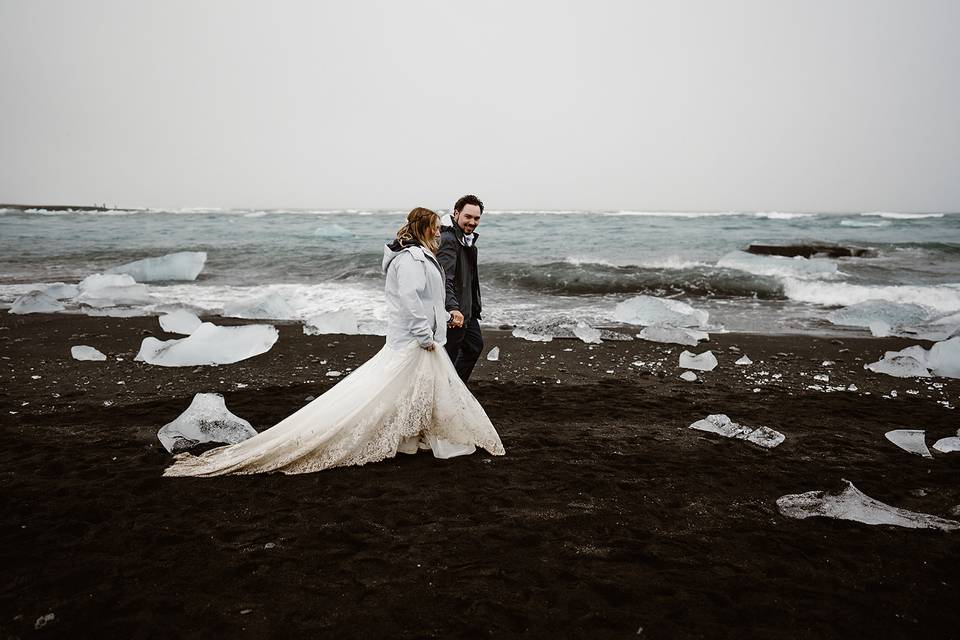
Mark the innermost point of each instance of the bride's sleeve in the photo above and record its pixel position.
(412, 284)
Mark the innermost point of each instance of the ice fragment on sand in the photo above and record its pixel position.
(83, 352)
(705, 361)
(943, 359)
(179, 321)
(339, 321)
(36, 302)
(724, 426)
(743, 361)
(183, 265)
(879, 329)
(910, 440)
(689, 376)
(587, 333)
(851, 504)
(673, 335)
(209, 344)
(205, 420)
(494, 354)
(822, 377)
(871, 312)
(334, 374)
(947, 445)
(111, 290)
(529, 335)
(648, 310)
(267, 306)
(61, 291)
(899, 366)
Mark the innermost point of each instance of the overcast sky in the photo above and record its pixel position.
(807, 105)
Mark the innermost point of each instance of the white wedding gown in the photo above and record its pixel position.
(401, 400)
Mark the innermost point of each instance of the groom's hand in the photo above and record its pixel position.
(456, 319)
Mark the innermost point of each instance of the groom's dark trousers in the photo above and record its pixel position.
(464, 346)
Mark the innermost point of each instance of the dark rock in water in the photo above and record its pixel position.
(812, 249)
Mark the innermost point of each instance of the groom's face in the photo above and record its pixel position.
(468, 218)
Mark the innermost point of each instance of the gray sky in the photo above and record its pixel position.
(675, 105)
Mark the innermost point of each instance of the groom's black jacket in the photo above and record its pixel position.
(459, 264)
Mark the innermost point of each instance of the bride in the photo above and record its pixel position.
(406, 397)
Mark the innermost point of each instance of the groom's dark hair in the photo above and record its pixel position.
(465, 200)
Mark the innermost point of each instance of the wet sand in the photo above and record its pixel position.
(607, 515)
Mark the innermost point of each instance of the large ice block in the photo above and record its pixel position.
(705, 361)
(183, 265)
(648, 310)
(35, 302)
(111, 290)
(673, 335)
(207, 419)
(209, 345)
(339, 321)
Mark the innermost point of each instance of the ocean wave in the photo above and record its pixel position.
(780, 215)
(779, 266)
(865, 223)
(942, 298)
(893, 215)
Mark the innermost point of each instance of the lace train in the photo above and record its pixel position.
(396, 401)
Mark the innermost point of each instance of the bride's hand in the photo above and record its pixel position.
(428, 347)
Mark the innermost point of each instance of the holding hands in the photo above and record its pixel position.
(456, 320)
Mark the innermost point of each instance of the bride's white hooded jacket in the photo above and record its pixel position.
(415, 297)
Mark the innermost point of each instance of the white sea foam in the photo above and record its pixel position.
(797, 267)
(865, 223)
(942, 298)
(782, 215)
(893, 215)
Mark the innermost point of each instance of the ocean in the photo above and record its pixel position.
(537, 267)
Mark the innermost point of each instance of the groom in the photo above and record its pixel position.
(458, 257)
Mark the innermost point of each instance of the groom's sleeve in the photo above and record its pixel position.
(447, 256)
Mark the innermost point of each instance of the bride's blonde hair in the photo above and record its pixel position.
(419, 227)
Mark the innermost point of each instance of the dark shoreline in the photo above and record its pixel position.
(607, 513)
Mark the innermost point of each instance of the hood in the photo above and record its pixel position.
(394, 249)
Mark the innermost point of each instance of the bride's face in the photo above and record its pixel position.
(435, 229)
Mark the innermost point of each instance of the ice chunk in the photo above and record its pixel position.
(36, 302)
(647, 310)
(910, 440)
(61, 291)
(893, 314)
(587, 333)
(339, 321)
(673, 335)
(529, 335)
(743, 361)
(183, 265)
(899, 366)
(209, 345)
(268, 306)
(689, 376)
(83, 352)
(943, 359)
(880, 329)
(205, 420)
(494, 354)
(947, 445)
(851, 504)
(724, 426)
(179, 321)
(705, 361)
(111, 290)
(797, 267)
(334, 374)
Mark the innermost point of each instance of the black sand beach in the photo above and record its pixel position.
(608, 517)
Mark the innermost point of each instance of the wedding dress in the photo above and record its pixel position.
(403, 399)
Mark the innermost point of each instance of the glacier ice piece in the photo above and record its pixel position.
(35, 302)
(689, 376)
(743, 361)
(648, 310)
(673, 335)
(851, 504)
(880, 329)
(179, 321)
(83, 352)
(61, 291)
(112, 290)
(722, 425)
(183, 265)
(209, 345)
(531, 336)
(339, 321)
(910, 440)
(269, 306)
(943, 359)
(587, 333)
(207, 419)
(494, 354)
(705, 361)
(893, 314)
(899, 366)
(947, 445)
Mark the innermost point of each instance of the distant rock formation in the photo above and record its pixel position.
(811, 249)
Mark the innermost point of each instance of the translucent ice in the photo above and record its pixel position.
(743, 361)
(724, 426)
(61, 291)
(209, 345)
(529, 335)
(587, 333)
(850, 504)
(673, 335)
(899, 366)
(36, 302)
(910, 440)
(111, 290)
(689, 376)
(339, 321)
(183, 265)
(705, 361)
(268, 306)
(943, 359)
(647, 310)
(894, 314)
(83, 352)
(205, 420)
(947, 445)
(179, 321)
(494, 354)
